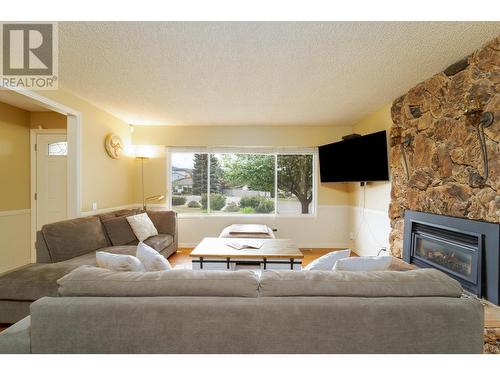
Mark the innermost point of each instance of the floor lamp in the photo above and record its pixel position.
(142, 158)
(142, 153)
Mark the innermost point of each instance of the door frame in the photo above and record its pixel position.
(74, 138)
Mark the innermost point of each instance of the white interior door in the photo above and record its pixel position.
(51, 178)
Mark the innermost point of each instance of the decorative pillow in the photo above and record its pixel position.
(118, 262)
(142, 226)
(381, 263)
(119, 231)
(152, 259)
(327, 261)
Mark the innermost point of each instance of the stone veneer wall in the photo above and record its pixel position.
(444, 155)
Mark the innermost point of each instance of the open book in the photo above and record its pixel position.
(241, 245)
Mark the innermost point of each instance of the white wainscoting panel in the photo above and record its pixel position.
(15, 228)
(109, 209)
(333, 226)
(329, 228)
(370, 231)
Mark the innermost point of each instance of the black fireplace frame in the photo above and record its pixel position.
(488, 235)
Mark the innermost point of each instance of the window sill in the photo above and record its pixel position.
(261, 216)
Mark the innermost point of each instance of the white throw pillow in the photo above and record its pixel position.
(327, 261)
(118, 262)
(152, 259)
(381, 263)
(142, 226)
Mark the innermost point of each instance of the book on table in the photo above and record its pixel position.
(243, 245)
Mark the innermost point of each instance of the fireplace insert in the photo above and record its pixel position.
(456, 253)
(467, 250)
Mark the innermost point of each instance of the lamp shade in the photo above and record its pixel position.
(144, 151)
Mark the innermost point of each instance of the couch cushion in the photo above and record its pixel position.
(160, 241)
(119, 231)
(39, 280)
(71, 238)
(125, 212)
(365, 263)
(165, 221)
(93, 281)
(415, 283)
(16, 338)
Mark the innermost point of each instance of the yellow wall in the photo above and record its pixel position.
(106, 181)
(377, 193)
(14, 158)
(14, 187)
(47, 120)
(218, 136)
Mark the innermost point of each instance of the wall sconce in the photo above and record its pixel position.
(401, 142)
(481, 120)
(405, 142)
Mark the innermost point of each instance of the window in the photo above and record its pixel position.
(58, 149)
(242, 182)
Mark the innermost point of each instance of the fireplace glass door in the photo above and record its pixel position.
(457, 259)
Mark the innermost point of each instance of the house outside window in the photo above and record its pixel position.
(243, 181)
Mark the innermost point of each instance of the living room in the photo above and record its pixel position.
(227, 171)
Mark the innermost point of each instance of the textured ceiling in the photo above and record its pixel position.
(256, 73)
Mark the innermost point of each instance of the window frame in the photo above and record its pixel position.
(246, 150)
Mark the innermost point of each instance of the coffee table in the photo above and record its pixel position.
(214, 254)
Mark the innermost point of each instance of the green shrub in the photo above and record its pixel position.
(232, 207)
(247, 210)
(178, 201)
(265, 207)
(261, 205)
(250, 201)
(217, 201)
(194, 204)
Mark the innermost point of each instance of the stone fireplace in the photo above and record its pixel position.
(445, 151)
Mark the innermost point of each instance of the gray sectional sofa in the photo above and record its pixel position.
(63, 246)
(185, 311)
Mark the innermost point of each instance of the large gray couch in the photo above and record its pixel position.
(184, 311)
(63, 246)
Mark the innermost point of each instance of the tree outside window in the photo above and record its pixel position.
(242, 183)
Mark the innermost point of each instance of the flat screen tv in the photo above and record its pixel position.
(359, 159)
